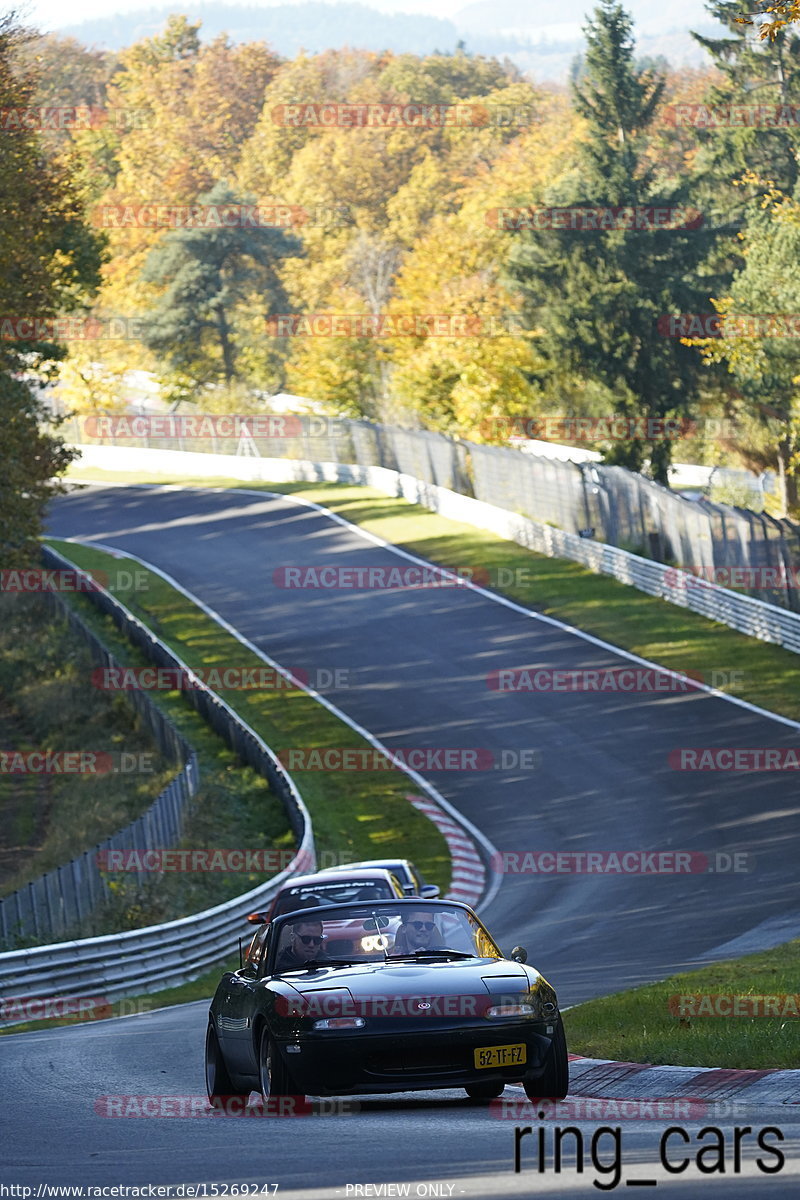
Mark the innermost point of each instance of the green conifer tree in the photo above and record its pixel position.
(210, 271)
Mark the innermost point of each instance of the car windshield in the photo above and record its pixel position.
(311, 895)
(372, 932)
(401, 871)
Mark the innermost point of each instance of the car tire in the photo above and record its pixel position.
(219, 1086)
(273, 1074)
(554, 1082)
(484, 1091)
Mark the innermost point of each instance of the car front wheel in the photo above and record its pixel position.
(219, 1086)
(554, 1082)
(273, 1074)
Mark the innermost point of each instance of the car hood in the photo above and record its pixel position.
(406, 988)
(449, 977)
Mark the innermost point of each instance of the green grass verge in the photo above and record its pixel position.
(642, 1025)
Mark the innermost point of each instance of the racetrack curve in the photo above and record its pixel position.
(417, 664)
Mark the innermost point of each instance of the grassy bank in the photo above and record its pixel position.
(48, 704)
(669, 1022)
(234, 805)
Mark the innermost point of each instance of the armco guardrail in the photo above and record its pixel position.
(767, 622)
(139, 961)
(756, 618)
(59, 902)
(136, 962)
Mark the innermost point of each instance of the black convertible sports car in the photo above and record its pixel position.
(404, 995)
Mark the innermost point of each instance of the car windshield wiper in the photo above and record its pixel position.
(316, 966)
(442, 952)
(334, 962)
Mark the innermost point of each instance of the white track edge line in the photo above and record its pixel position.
(489, 595)
(421, 782)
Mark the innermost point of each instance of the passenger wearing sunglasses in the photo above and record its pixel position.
(305, 946)
(418, 932)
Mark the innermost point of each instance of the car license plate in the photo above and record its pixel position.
(500, 1056)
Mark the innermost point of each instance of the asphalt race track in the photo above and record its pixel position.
(53, 1133)
(416, 664)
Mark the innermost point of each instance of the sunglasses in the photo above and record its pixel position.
(310, 939)
(428, 925)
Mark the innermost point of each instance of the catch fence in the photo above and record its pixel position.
(606, 504)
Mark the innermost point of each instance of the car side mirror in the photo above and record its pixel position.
(519, 954)
(429, 891)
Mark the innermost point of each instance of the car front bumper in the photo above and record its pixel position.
(364, 1061)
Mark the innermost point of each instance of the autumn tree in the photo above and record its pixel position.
(737, 162)
(191, 109)
(186, 110)
(454, 267)
(67, 74)
(771, 17)
(49, 263)
(392, 185)
(758, 344)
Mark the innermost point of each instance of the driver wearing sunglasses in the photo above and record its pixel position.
(418, 932)
(305, 946)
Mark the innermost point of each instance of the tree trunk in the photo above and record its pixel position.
(783, 491)
(227, 348)
(660, 461)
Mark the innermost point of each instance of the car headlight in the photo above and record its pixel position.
(376, 941)
(340, 1023)
(510, 1010)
